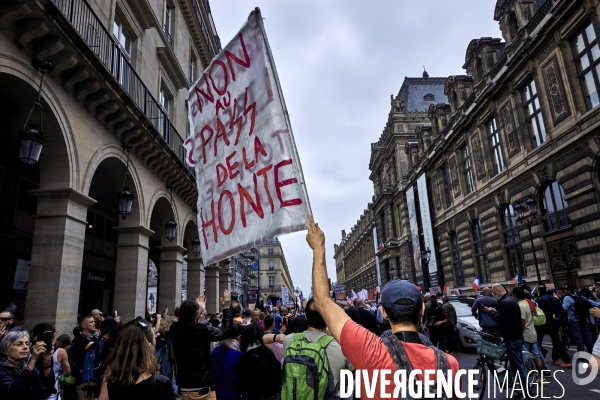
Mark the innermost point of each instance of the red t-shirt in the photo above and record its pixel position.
(366, 351)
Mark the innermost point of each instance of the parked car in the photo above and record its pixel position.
(467, 324)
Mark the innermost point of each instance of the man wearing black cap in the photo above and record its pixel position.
(401, 304)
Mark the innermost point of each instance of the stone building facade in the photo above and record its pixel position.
(520, 126)
(273, 272)
(121, 70)
(356, 265)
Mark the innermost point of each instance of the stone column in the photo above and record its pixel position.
(394, 267)
(131, 275)
(224, 282)
(389, 226)
(195, 272)
(195, 276)
(57, 257)
(169, 274)
(212, 288)
(380, 229)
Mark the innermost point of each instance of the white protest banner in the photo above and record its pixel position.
(285, 296)
(250, 182)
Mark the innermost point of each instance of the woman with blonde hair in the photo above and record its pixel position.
(132, 370)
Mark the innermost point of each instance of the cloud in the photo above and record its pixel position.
(338, 62)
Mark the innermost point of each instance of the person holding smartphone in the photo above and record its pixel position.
(25, 369)
(46, 332)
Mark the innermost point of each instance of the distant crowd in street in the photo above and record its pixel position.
(254, 354)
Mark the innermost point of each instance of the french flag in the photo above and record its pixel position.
(476, 283)
(517, 280)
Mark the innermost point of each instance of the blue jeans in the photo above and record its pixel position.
(581, 335)
(534, 349)
(515, 357)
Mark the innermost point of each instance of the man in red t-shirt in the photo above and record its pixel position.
(401, 304)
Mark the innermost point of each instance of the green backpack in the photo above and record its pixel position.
(306, 373)
(539, 318)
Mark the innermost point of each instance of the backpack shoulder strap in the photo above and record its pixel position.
(325, 340)
(396, 350)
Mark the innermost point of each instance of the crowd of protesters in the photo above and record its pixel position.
(242, 353)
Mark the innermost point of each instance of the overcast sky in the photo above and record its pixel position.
(338, 62)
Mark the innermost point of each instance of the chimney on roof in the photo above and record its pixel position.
(425, 74)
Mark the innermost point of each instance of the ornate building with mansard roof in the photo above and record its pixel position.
(517, 133)
(407, 125)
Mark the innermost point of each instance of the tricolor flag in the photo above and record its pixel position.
(459, 292)
(517, 280)
(476, 283)
(354, 295)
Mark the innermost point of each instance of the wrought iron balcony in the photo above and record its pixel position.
(108, 50)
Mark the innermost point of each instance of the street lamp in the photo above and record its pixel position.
(32, 140)
(171, 226)
(196, 246)
(425, 257)
(520, 211)
(126, 197)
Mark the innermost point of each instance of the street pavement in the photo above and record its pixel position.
(569, 390)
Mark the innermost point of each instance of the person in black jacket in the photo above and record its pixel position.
(191, 346)
(555, 318)
(256, 363)
(508, 317)
(23, 377)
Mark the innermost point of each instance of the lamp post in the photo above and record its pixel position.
(196, 246)
(425, 257)
(32, 140)
(125, 197)
(171, 226)
(520, 211)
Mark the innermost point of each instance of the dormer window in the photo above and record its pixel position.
(429, 97)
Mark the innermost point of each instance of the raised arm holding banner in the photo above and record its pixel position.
(250, 182)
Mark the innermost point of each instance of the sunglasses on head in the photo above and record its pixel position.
(142, 325)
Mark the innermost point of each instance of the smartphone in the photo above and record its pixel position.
(48, 336)
(115, 313)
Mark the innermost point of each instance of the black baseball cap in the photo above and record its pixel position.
(399, 290)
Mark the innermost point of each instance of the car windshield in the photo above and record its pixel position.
(462, 309)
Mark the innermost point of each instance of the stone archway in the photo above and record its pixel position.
(114, 266)
(43, 216)
(169, 253)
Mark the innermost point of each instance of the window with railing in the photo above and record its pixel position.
(114, 51)
(587, 57)
(531, 102)
(271, 265)
(271, 281)
(498, 163)
(467, 169)
(554, 208)
(456, 260)
(270, 251)
(167, 27)
(483, 268)
(512, 242)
